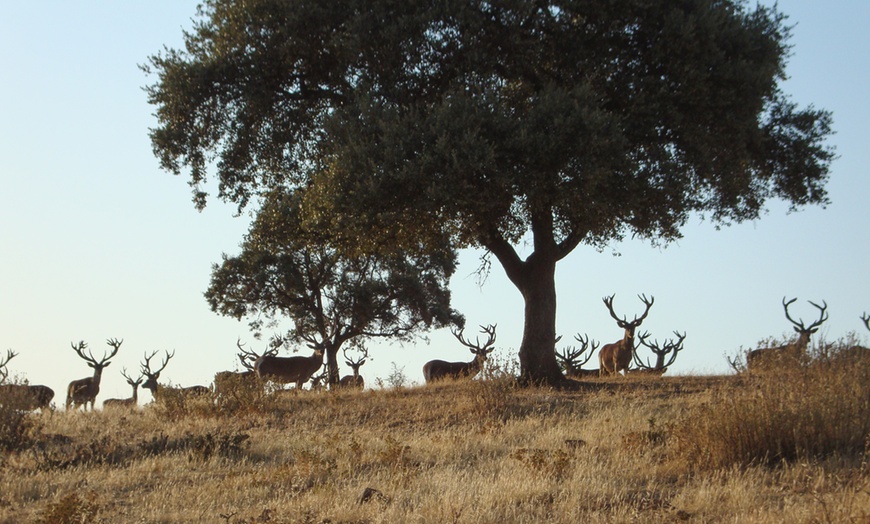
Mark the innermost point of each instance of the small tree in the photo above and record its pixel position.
(285, 271)
(456, 124)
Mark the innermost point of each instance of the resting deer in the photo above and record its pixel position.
(439, 369)
(617, 356)
(289, 370)
(131, 402)
(85, 390)
(318, 381)
(569, 358)
(151, 377)
(224, 379)
(668, 347)
(795, 351)
(355, 380)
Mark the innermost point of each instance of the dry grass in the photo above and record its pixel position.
(695, 449)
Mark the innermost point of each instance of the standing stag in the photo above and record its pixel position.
(439, 369)
(289, 370)
(84, 391)
(569, 358)
(616, 357)
(152, 376)
(794, 352)
(24, 396)
(355, 380)
(669, 347)
(131, 402)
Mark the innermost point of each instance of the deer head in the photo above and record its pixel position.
(570, 357)
(804, 332)
(152, 376)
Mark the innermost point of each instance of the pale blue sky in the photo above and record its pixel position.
(96, 242)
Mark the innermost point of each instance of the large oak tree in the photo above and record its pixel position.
(457, 123)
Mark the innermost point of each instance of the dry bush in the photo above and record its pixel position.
(797, 411)
(18, 430)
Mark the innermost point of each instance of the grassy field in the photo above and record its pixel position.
(788, 446)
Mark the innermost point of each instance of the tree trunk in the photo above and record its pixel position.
(537, 354)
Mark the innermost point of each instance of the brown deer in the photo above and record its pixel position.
(131, 402)
(668, 347)
(569, 358)
(289, 370)
(151, 377)
(795, 351)
(354, 381)
(617, 356)
(439, 369)
(85, 390)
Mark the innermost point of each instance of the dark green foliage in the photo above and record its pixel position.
(442, 125)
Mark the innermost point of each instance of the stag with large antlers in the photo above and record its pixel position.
(289, 370)
(224, 380)
(668, 347)
(85, 390)
(569, 358)
(355, 380)
(131, 402)
(439, 369)
(794, 352)
(151, 377)
(617, 356)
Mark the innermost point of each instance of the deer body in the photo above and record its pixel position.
(617, 356)
(439, 369)
(131, 402)
(34, 397)
(288, 370)
(85, 390)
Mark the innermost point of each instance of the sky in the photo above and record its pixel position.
(96, 242)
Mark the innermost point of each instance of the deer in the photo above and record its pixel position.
(289, 370)
(26, 396)
(435, 370)
(866, 319)
(84, 391)
(152, 376)
(794, 351)
(569, 358)
(617, 356)
(668, 347)
(355, 380)
(319, 380)
(224, 379)
(131, 402)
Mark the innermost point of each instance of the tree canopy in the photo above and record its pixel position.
(286, 272)
(440, 125)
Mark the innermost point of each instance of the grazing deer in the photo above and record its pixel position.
(669, 347)
(794, 351)
(83, 391)
(131, 402)
(569, 358)
(439, 369)
(152, 376)
(617, 356)
(289, 370)
(355, 380)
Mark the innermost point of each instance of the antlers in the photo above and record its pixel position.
(476, 348)
(89, 358)
(623, 322)
(799, 326)
(249, 357)
(146, 366)
(669, 347)
(866, 318)
(130, 379)
(3, 372)
(570, 356)
(355, 364)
